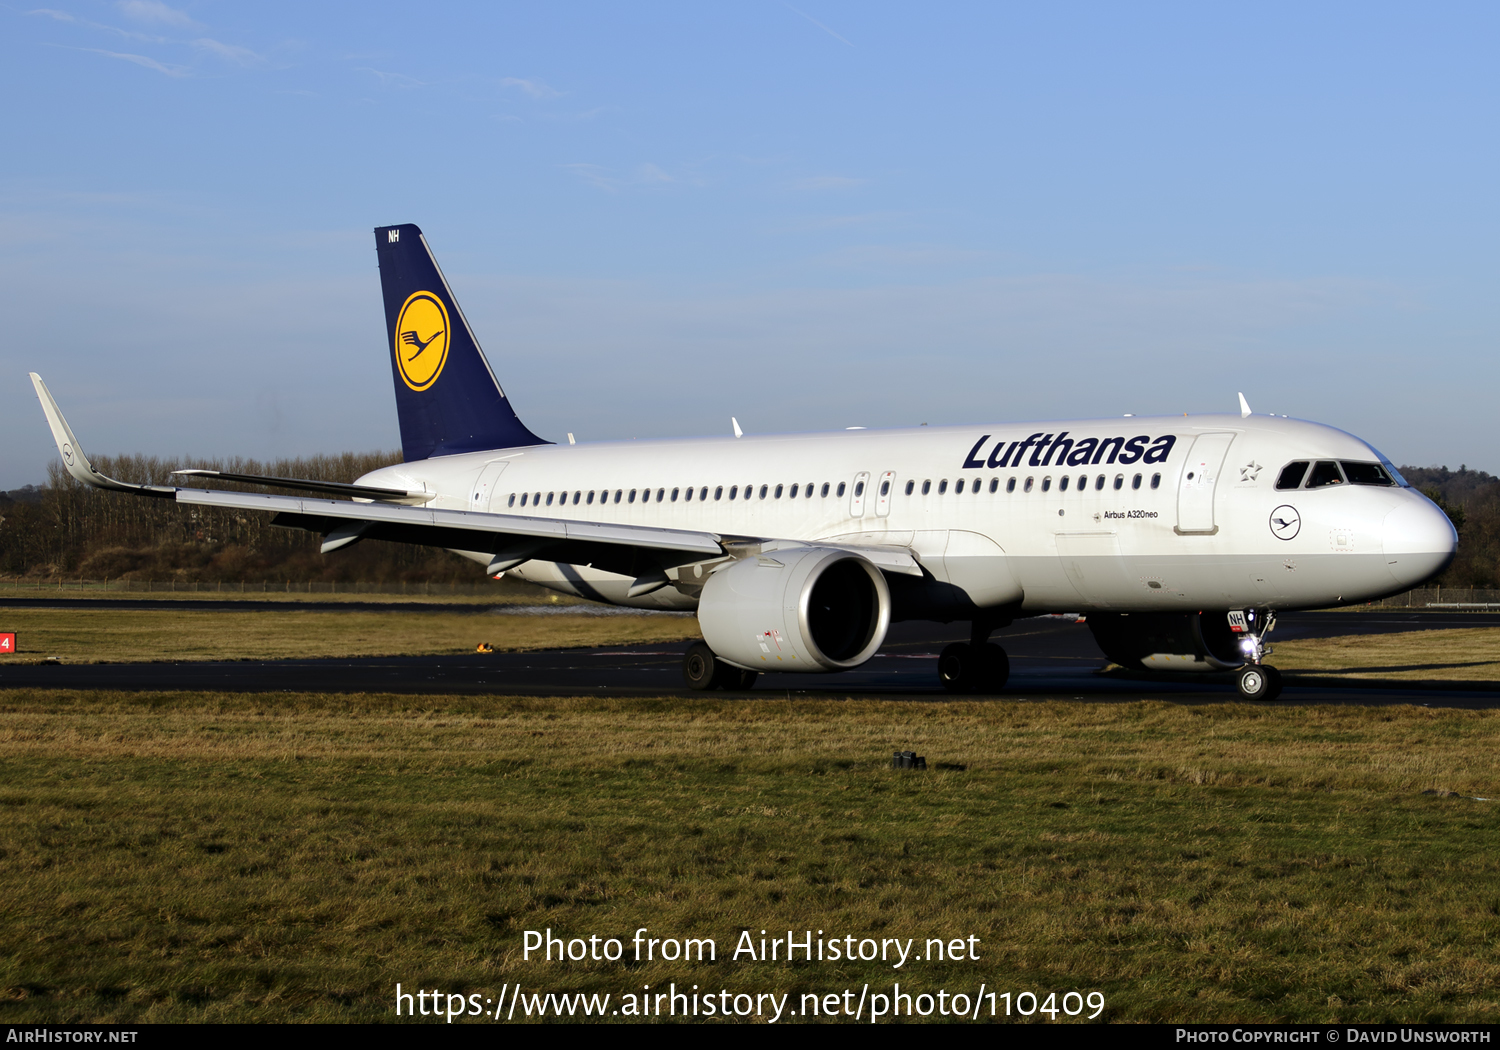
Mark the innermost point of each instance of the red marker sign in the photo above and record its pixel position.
(7, 643)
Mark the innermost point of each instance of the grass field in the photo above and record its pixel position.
(226, 857)
(1464, 654)
(124, 635)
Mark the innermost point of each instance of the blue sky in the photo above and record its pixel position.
(810, 216)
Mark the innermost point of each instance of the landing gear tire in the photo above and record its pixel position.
(1259, 682)
(956, 667)
(996, 668)
(700, 668)
(964, 669)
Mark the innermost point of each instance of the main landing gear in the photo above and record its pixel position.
(1256, 680)
(701, 669)
(978, 666)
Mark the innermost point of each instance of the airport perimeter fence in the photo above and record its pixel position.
(1439, 598)
(1454, 598)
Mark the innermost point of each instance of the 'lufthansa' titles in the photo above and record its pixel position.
(1060, 450)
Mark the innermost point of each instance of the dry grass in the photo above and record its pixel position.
(113, 635)
(500, 592)
(227, 857)
(1464, 654)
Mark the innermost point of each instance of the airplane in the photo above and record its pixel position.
(1178, 538)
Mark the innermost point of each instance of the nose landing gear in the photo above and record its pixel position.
(1256, 680)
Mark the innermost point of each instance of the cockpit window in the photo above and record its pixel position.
(1291, 475)
(1365, 473)
(1325, 472)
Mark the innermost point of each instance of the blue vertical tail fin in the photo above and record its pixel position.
(447, 398)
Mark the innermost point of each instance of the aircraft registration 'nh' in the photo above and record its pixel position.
(1180, 536)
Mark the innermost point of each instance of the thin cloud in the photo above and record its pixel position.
(645, 174)
(826, 182)
(533, 88)
(815, 22)
(595, 176)
(393, 79)
(241, 56)
(648, 173)
(153, 11)
(140, 60)
(128, 34)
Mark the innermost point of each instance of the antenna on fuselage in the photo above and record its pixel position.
(1244, 408)
(737, 431)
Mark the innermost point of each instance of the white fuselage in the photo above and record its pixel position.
(1086, 519)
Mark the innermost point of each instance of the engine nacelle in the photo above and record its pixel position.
(807, 609)
(1198, 642)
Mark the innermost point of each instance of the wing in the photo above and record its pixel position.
(640, 552)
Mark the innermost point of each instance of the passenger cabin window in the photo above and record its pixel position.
(792, 494)
(1291, 475)
(703, 493)
(632, 496)
(512, 501)
(840, 490)
(994, 485)
(778, 491)
(1135, 482)
(1010, 486)
(885, 487)
(1119, 482)
(825, 490)
(958, 487)
(807, 490)
(1062, 485)
(926, 487)
(859, 488)
(1156, 481)
(1325, 472)
(910, 487)
(675, 493)
(1028, 484)
(942, 487)
(763, 490)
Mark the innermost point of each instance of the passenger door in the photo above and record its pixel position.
(484, 485)
(1195, 486)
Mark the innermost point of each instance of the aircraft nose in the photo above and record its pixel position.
(1419, 540)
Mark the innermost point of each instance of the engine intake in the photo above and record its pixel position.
(808, 609)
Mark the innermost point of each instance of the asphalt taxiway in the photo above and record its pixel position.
(1051, 658)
